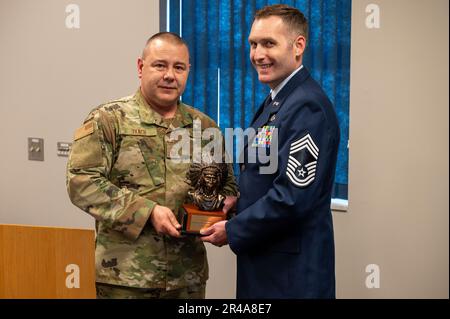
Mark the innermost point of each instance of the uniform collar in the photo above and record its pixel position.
(297, 79)
(280, 86)
(147, 115)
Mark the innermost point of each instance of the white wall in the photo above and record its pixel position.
(50, 78)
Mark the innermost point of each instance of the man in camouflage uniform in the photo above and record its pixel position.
(122, 172)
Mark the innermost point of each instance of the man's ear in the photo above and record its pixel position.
(140, 64)
(300, 45)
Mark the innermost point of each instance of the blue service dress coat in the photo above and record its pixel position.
(283, 231)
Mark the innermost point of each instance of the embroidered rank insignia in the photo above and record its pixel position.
(302, 162)
(264, 137)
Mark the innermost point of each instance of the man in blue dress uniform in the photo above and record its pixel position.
(283, 231)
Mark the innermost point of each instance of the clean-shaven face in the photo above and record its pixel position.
(163, 73)
(273, 50)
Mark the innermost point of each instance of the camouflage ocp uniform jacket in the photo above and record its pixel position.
(119, 168)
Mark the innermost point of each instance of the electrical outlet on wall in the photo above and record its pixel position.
(35, 149)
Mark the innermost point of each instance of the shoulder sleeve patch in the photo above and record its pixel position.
(87, 148)
(85, 130)
(303, 156)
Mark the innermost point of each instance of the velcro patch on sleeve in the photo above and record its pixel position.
(85, 130)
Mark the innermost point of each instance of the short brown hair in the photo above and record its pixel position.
(169, 36)
(291, 16)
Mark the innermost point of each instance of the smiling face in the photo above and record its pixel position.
(275, 51)
(163, 71)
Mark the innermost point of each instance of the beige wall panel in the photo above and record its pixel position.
(398, 174)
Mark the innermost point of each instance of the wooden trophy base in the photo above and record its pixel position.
(194, 219)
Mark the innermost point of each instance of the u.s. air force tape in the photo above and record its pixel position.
(303, 156)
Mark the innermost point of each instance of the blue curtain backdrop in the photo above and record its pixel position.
(217, 32)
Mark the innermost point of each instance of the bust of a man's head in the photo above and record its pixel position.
(210, 180)
(207, 181)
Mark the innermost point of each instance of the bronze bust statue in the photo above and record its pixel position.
(207, 181)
